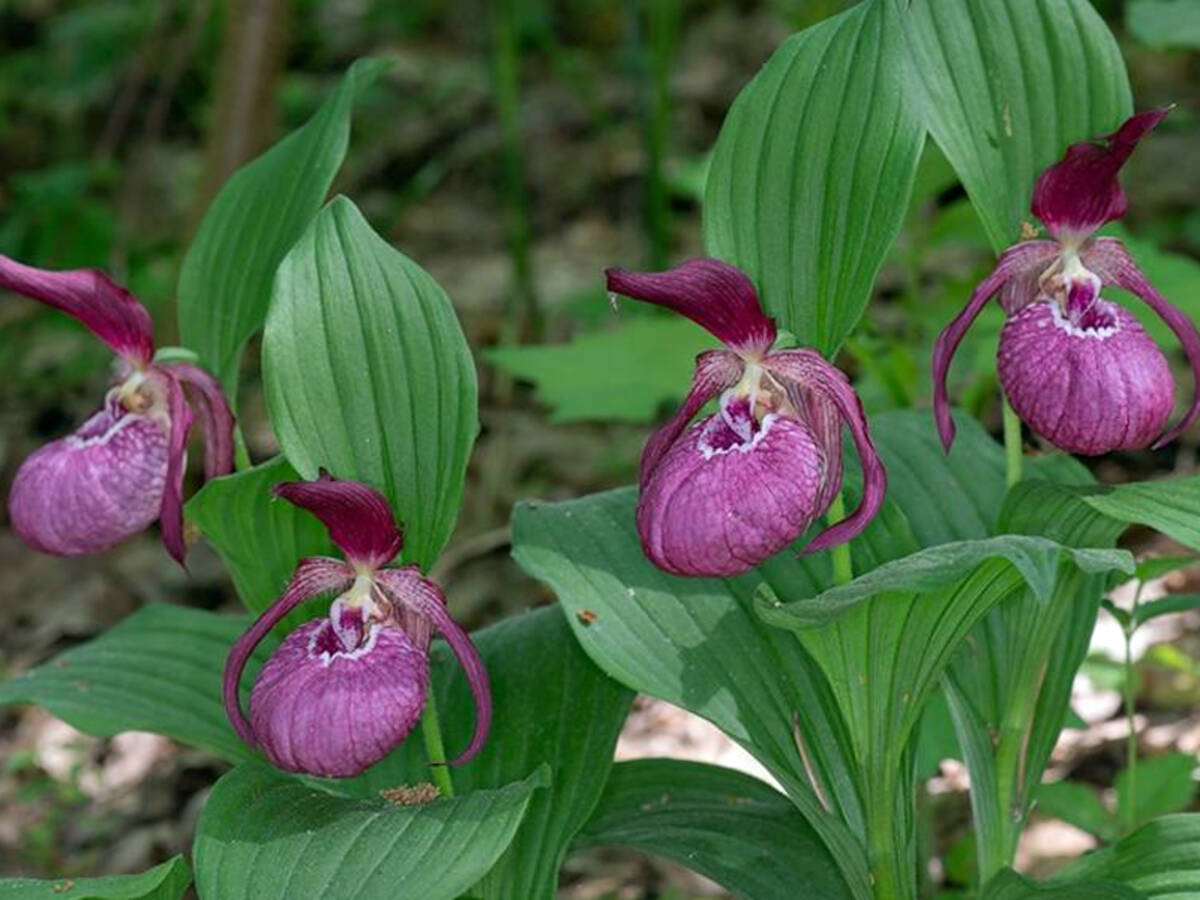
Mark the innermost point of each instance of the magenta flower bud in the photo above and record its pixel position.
(123, 468)
(343, 690)
(1078, 369)
(719, 497)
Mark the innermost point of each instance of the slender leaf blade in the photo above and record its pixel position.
(1009, 885)
(368, 374)
(1160, 859)
(166, 881)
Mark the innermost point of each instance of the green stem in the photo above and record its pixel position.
(241, 455)
(1012, 442)
(1130, 694)
(843, 568)
(435, 750)
(891, 878)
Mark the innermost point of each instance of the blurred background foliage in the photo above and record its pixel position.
(515, 149)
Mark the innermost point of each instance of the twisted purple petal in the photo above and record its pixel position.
(326, 709)
(807, 367)
(1109, 259)
(108, 310)
(171, 513)
(713, 294)
(92, 489)
(1013, 263)
(1078, 194)
(716, 370)
(411, 589)
(314, 575)
(215, 417)
(358, 517)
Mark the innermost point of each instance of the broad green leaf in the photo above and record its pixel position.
(1005, 87)
(266, 835)
(696, 643)
(812, 172)
(1171, 506)
(1077, 804)
(159, 670)
(622, 374)
(259, 539)
(1034, 560)
(368, 374)
(1160, 785)
(553, 706)
(1157, 566)
(1164, 23)
(1160, 859)
(1173, 603)
(731, 827)
(166, 881)
(1008, 885)
(225, 282)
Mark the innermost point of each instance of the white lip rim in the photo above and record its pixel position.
(1062, 323)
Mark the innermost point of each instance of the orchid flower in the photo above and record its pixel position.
(123, 468)
(741, 484)
(342, 690)
(1078, 369)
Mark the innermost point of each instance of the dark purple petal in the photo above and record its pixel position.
(1089, 387)
(1078, 194)
(171, 514)
(716, 370)
(1025, 286)
(328, 711)
(411, 589)
(108, 310)
(810, 369)
(711, 293)
(94, 488)
(357, 516)
(314, 575)
(1109, 259)
(720, 502)
(1015, 262)
(215, 417)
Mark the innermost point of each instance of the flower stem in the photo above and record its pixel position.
(241, 454)
(435, 750)
(1012, 442)
(843, 569)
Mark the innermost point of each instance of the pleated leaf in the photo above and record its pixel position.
(813, 169)
(724, 824)
(1009, 885)
(1160, 859)
(265, 835)
(225, 282)
(166, 881)
(368, 374)
(1004, 88)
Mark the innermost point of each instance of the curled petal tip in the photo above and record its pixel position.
(713, 294)
(358, 517)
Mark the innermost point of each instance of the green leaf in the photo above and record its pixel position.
(1173, 603)
(1162, 784)
(621, 374)
(259, 539)
(1005, 87)
(225, 282)
(159, 670)
(1176, 276)
(553, 706)
(1157, 566)
(264, 835)
(368, 374)
(1008, 885)
(812, 172)
(1171, 506)
(1164, 23)
(728, 826)
(1033, 560)
(1077, 804)
(166, 881)
(1160, 859)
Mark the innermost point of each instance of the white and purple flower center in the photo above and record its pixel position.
(735, 429)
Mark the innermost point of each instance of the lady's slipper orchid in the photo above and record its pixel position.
(342, 690)
(743, 483)
(123, 468)
(1078, 369)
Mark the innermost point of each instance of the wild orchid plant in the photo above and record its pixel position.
(713, 583)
